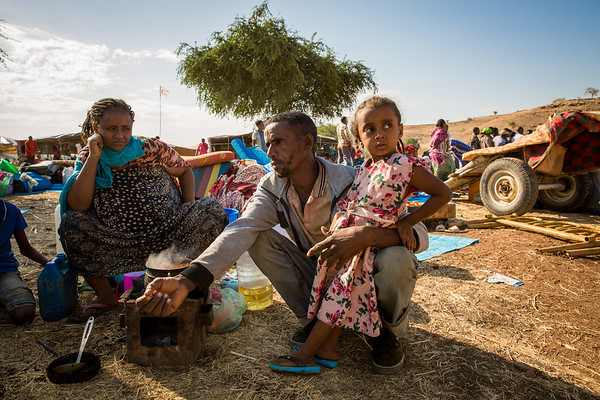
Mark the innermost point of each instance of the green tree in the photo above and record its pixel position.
(327, 130)
(259, 67)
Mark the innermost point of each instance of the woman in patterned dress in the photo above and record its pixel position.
(129, 197)
(440, 151)
(345, 297)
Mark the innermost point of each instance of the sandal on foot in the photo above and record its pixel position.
(92, 309)
(321, 361)
(300, 367)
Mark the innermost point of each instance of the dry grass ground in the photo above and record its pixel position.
(468, 339)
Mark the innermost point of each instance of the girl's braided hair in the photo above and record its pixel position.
(375, 102)
(98, 109)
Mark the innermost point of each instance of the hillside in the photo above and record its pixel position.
(528, 119)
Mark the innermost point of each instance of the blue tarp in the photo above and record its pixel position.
(440, 244)
(250, 153)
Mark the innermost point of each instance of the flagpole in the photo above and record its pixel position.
(159, 112)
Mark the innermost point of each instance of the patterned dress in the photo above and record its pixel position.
(346, 298)
(139, 214)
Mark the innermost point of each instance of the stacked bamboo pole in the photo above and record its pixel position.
(587, 239)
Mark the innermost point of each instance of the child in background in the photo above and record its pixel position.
(346, 297)
(410, 150)
(16, 298)
(475, 142)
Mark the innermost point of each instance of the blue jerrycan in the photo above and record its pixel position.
(57, 289)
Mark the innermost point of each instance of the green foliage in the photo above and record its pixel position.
(558, 100)
(259, 67)
(495, 112)
(469, 119)
(512, 124)
(327, 130)
(411, 140)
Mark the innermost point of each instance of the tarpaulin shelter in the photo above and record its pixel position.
(65, 142)
(223, 143)
(8, 148)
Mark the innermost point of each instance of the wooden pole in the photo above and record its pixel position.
(572, 246)
(481, 225)
(545, 231)
(584, 252)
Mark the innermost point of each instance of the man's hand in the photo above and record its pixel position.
(163, 296)
(339, 247)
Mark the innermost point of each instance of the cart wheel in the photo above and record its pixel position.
(508, 186)
(577, 190)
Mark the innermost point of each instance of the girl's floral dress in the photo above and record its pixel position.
(346, 298)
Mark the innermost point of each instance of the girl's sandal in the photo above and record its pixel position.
(300, 367)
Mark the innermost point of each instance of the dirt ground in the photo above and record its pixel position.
(468, 339)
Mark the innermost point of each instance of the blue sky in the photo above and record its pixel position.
(436, 58)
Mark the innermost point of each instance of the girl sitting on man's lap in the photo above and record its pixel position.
(345, 297)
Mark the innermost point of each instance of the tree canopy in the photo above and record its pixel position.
(591, 91)
(329, 130)
(260, 68)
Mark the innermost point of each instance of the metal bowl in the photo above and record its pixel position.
(64, 370)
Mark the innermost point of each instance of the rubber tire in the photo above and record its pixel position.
(578, 190)
(508, 186)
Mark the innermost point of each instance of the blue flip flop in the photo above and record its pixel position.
(321, 361)
(300, 368)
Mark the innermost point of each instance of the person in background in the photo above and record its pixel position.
(475, 142)
(55, 153)
(439, 151)
(31, 149)
(502, 138)
(16, 298)
(129, 197)
(518, 135)
(258, 136)
(332, 153)
(411, 150)
(344, 143)
(202, 148)
(486, 138)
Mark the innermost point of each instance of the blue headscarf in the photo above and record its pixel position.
(108, 158)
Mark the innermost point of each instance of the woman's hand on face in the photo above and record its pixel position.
(95, 144)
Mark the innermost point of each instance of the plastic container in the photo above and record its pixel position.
(233, 214)
(255, 286)
(66, 173)
(57, 289)
(6, 166)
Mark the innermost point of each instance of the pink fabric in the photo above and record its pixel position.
(239, 185)
(346, 298)
(437, 138)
